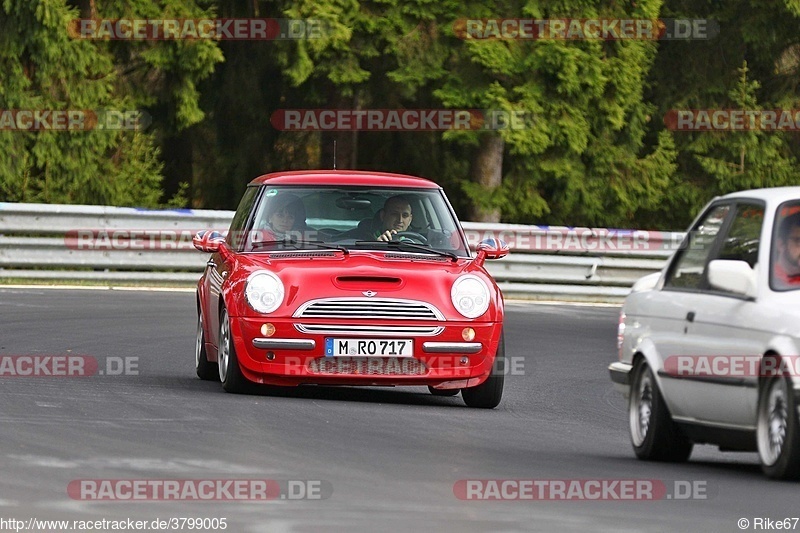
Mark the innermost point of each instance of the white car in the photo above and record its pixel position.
(708, 347)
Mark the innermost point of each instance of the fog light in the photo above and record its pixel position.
(468, 334)
(267, 330)
(464, 360)
(270, 356)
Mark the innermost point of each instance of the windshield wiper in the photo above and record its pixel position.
(409, 247)
(297, 243)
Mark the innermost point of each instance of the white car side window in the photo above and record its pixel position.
(687, 271)
(743, 238)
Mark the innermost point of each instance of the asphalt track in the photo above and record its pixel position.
(388, 459)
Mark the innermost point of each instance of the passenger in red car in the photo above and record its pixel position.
(787, 264)
(285, 213)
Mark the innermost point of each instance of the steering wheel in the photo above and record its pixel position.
(412, 236)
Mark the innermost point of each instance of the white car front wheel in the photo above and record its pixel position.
(655, 437)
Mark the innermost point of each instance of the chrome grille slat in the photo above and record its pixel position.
(369, 308)
(382, 331)
(360, 314)
(368, 304)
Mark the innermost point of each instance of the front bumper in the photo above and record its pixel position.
(269, 343)
(621, 376)
(292, 356)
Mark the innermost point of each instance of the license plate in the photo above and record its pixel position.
(337, 347)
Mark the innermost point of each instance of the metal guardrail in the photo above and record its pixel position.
(55, 242)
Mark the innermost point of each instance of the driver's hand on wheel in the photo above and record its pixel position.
(387, 235)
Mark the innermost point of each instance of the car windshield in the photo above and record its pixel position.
(353, 218)
(785, 268)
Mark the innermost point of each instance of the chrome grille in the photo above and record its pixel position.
(368, 366)
(369, 308)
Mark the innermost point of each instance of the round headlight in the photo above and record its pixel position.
(264, 291)
(470, 296)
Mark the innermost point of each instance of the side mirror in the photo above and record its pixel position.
(646, 283)
(732, 276)
(491, 249)
(208, 241)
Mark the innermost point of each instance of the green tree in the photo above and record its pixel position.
(745, 159)
(706, 74)
(47, 69)
(582, 160)
(579, 161)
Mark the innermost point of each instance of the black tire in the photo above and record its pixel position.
(488, 394)
(205, 370)
(229, 372)
(654, 435)
(777, 429)
(443, 392)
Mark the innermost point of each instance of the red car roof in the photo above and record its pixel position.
(343, 177)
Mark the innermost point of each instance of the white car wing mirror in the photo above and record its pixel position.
(732, 276)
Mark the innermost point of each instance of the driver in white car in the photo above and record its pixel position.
(787, 265)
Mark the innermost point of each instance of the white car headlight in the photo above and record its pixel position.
(470, 296)
(264, 291)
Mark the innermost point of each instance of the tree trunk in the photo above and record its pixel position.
(87, 8)
(487, 171)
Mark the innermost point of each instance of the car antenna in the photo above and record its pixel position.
(334, 154)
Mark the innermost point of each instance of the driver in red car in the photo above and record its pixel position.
(394, 217)
(787, 264)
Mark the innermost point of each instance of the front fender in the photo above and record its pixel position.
(622, 372)
(785, 346)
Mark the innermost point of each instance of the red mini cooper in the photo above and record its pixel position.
(349, 278)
